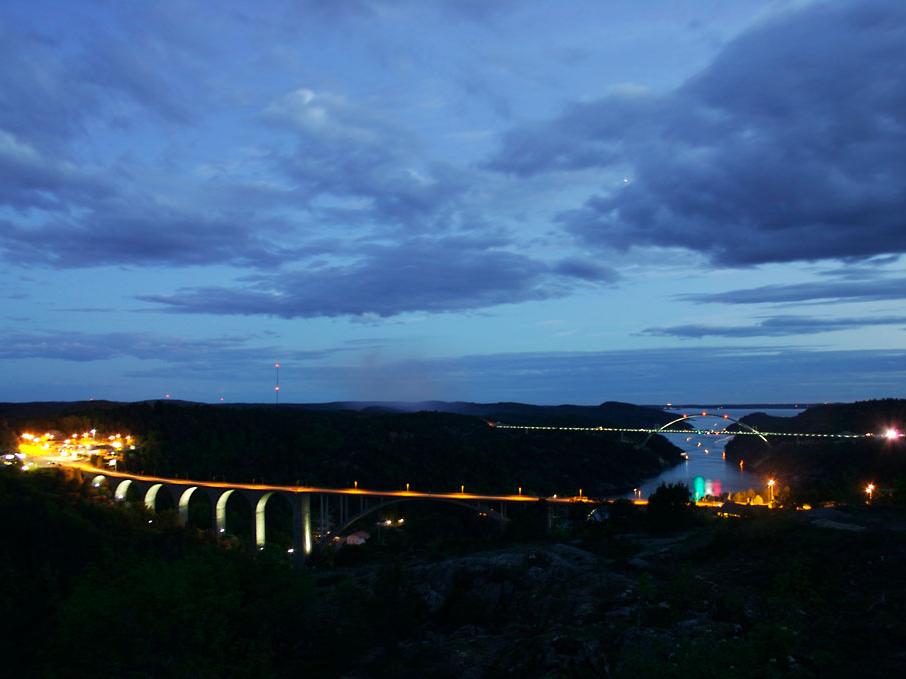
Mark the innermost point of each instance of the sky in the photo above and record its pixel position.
(647, 201)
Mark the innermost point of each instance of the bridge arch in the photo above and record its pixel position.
(122, 488)
(234, 512)
(261, 518)
(220, 522)
(497, 516)
(153, 495)
(184, 498)
(99, 480)
(722, 416)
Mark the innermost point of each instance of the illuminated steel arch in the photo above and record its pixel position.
(723, 416)
(98, 481)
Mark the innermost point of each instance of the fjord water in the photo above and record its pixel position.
(706, 472)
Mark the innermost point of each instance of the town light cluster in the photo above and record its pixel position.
(75, 445)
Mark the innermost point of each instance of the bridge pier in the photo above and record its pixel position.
(302, 543)
(151, 496)
(260, 522)
(344, 509)
(322, 515)
(184, 496)
(219, 503)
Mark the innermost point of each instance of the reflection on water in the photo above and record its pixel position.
(706, 472)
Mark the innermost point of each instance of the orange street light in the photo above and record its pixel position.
(771, 483)
(869, 490)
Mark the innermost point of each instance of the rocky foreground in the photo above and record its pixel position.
(777, 596)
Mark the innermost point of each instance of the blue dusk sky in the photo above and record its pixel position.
(541, 201)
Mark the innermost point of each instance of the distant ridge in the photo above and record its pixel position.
(510, 412)
(609, 412)
(801, 405)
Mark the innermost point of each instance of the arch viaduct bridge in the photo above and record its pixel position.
(335, 502)
(339, 508)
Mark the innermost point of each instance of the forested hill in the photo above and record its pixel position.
(859, 418)
(431, 450)
(828, 468)
(610, 413)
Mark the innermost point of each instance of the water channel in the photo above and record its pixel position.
(706, 472)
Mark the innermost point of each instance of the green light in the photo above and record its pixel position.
(699, 485)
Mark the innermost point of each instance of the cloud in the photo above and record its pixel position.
(33, 180)
(741, 374)
(586, 269)
(848, 291)
(432, 275)
(143, 233)
(782, 149)
(472, 10)
(85, 347)
(776, 326)
(345, 151)
(58, 87)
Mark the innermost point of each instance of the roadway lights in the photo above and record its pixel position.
(892, 433)
(771, 484)
(870, 490)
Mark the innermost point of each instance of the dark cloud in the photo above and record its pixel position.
(55, 87)
(82, 347)
(346, 151)
(844, 291)
(142, 234)
(436, 275)
(33, 180)
(586, 269)
(868, 269)
(77, 346)
(776, 326)
(787, 147)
